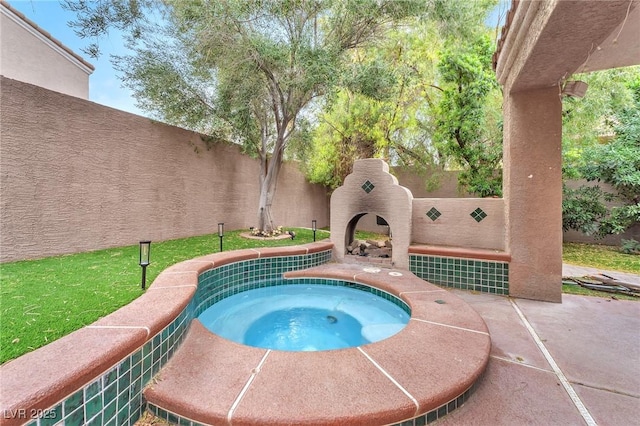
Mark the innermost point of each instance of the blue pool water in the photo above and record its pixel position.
(304, 317)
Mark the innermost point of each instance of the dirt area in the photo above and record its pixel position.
(148, 419)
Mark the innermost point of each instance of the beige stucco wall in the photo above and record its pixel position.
(387, 199)
(79, 176)
(456, 227)
(27, 55)
(446, 187)
(533, 193)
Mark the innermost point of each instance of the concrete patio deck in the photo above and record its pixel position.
(542, 353)
(573, 363)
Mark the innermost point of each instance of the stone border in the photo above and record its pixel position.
(416, 376)
(70, 377)
(248, 235)
(467, 253)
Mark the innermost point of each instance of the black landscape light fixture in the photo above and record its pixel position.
(221, 233)
(314, 227)
(145, 253)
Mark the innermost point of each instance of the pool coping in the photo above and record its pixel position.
(423, 371)
(37, 385)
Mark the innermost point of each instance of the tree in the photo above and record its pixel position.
(467, 128)
(394, 121)
(245, 69)
(616, 163)
(590, 121)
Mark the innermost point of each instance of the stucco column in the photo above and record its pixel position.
(533, 193)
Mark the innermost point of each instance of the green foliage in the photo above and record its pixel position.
(630, 246)
(385, 109)
(248, 71)
(616, 163)
(465, 128)
(592, 120)
(368, 118)
(600, 256)
(582, 208)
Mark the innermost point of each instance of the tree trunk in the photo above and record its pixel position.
(268, 182)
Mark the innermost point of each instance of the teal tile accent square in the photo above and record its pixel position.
(123, 416)
(123, 398)
(478, 215)
(433, 214)
(109, 411)
(368, 186)
(110, 377)
(146, 376)
(93, 406)
(110, 393)
(51, 416)
(92, 390)
(136, 357)
(136, 386)
(74, 401)
(136, 371)
(75, 418)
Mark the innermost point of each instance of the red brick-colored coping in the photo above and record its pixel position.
(436, 358)
(467, 253)
(40, 379)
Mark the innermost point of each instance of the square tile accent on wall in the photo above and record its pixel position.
(433, 214)
(467, 274)
(478, 214)
(368, 186)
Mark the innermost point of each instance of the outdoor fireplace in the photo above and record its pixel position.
(370, 188)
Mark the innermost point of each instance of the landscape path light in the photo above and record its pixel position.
(314, 226)
(145, 253)
(221, 233)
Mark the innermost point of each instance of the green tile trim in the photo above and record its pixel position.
(421, 420)
(441, 411)
(115, 398)
(467, 274)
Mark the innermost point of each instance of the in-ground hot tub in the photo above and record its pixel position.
(294, 315)
(418, 374)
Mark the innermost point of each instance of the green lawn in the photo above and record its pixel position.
(601, 257)
(43, 300)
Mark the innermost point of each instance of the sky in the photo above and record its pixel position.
(104, 84)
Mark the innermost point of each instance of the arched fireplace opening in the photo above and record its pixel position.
(378, 247)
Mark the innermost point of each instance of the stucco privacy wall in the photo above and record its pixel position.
(474, 223)
(79, 176)
(459, 222)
